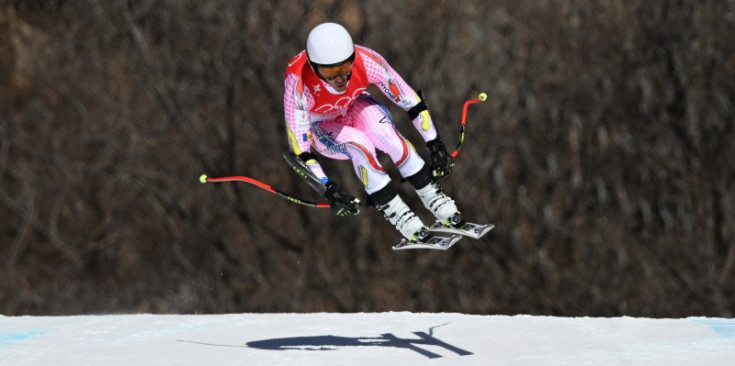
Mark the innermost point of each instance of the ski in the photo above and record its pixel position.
(469, 229)
(300, 167)
(436, 242)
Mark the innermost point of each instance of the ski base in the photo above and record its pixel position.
(435, 242)
(469, 229)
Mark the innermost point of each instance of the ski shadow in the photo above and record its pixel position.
(331, 343)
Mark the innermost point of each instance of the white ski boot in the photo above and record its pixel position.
(449, 221)
(441, 205)
(407, 223)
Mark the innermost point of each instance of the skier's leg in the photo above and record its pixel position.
(370, 116)
(397, 213)
(338, 141)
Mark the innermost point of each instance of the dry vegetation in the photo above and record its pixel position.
(604, 156)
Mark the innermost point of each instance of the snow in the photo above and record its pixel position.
(363, 339)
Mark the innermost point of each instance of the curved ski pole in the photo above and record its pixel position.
(481, 98)
(238, 178)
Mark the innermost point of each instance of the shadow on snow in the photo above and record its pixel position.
(331, 343)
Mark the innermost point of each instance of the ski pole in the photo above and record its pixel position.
(481, 98)
(238, 178)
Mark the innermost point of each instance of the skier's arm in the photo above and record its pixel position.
(392, 85)
(396, 89)
(298, 125)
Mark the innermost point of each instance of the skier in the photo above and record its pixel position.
(328, 108)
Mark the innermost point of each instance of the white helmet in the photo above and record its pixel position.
(329, 44)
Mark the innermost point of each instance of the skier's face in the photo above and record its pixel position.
(337, 76)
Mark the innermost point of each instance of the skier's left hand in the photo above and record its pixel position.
(441, 162)
(342, 203)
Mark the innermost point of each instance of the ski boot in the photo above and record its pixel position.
(441, 205)
(449, 221)
(405, 221)
(415, 234)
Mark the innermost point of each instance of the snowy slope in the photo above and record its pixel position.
(363, 339)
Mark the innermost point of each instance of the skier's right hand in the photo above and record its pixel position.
(341, 202)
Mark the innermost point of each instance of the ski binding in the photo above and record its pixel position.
(469, 229)
(436, 242)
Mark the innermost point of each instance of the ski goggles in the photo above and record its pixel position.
(335, 72)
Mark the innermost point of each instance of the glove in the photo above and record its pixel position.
(441, 162)
(341, 202)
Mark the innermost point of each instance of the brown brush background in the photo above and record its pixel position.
(604, 155)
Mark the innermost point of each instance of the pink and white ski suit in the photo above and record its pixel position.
(351, 124)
